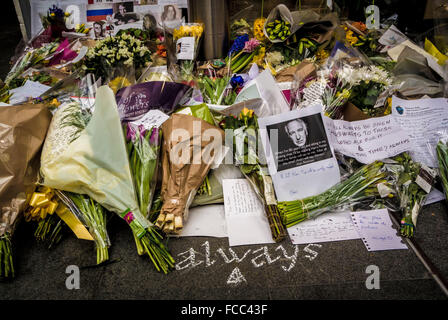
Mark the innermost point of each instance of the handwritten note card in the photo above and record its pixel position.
(31, 89)
(376, 230)
(424, 120)
(245, 216)
(368, 140)
(334, 226)
(151, 119)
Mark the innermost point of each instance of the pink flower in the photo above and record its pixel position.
(251, 45)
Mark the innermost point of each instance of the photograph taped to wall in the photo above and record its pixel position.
(107, 18)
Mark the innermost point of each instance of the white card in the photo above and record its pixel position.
(245, 215)
(332, 226)
(152, 119)
(376, 230)
(299, 155)
(185, 48)
(205, 221)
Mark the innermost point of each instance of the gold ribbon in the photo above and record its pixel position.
(42, 203)
(73, 223)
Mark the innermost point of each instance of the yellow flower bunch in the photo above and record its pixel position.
(345, 94)
(258, 29)
(350, 37)
(246, 113)
(188, 31)
(322, 54)
(81, 28)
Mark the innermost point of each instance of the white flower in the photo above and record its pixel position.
(274, 58)
(129, 62)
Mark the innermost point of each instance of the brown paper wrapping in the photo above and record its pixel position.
(179, 180)
(22, 132)
(352, 113)
(299, 72)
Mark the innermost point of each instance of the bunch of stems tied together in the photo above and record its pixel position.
(361, 185)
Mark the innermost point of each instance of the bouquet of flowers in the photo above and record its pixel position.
(187, 39)
(411, 194)
(120, 51)
(326, 87)
(143, 147)
(242, 53)
(182, 175)
(245, 129)
(367, 84)
(359, 186)
(32, 57)
(358, 36)
(92, 160)
(23, 129)
(241, 27)
(54, 23)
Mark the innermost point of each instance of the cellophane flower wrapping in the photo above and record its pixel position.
(143, 146)
(96, 163)
(410, 192)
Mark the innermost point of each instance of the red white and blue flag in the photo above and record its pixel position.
(99, 12)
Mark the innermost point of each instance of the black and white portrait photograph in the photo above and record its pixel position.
(298, 142)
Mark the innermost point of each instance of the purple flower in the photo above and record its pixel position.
(154, 136)
(130, 133)
(142, 131)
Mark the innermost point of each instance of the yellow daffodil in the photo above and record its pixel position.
(322, 54)
(55, 103)
(351, 38)
(246, 113)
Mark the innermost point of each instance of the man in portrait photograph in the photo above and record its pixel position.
(297, 132)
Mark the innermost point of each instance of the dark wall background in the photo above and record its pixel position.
(10, 35)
